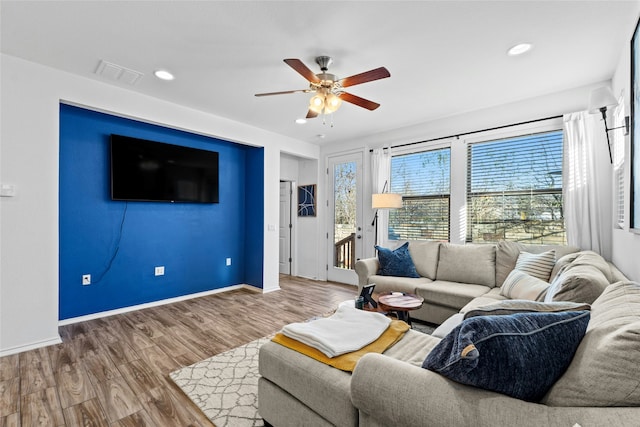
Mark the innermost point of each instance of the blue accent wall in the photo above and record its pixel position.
(120, 243)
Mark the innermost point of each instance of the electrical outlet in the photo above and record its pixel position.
(159, 271)
(86, 279)
(228, 261)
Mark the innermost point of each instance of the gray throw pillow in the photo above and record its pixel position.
(520, 285)
(537, 265)
(577, 283)
(513, 306)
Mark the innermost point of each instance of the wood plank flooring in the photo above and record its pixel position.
(114, 371)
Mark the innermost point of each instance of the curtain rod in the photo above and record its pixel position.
(472, 132)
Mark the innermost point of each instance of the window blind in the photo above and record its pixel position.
(617, 137)
(514, 189)
(423, 179)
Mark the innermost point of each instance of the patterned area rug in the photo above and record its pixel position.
(425, 328)
(225, 386)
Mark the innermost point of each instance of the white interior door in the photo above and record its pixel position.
(285, 227)
(345, 228)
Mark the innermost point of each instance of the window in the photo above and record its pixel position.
(514, 190)
(423, 179)
(617, 145)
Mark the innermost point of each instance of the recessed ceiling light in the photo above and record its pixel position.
(519, 49)
(301, 121)
(163, 75)
(320, 135)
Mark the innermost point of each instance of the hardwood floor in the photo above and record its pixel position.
(114, 371)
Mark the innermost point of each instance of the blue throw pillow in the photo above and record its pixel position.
(397, 262)
(521, 355)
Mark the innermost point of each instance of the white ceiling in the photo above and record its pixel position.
(445, 57)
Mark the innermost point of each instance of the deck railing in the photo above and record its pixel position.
(345, 252)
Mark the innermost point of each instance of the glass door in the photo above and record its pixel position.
(345, 217)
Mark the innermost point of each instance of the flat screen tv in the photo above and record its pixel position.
(144, 170)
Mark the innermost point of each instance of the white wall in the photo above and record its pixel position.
(29, 146)
(309, 248)
(626, 245)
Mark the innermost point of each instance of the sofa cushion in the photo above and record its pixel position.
(448, 325)
(491, 297)
(561, 264)
(398, 284)
(513, 306)
(451, 294)
(577, 283)
(604, 371)
(592, 259)
(520, 355)
(507, 254)
(396, 262)
(520, 285)
(536, 265)
(467, 264)
(425, 257)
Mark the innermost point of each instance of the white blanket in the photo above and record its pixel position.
(347, 330)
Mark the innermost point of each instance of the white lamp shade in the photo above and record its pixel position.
(386, 201)
(601, 97)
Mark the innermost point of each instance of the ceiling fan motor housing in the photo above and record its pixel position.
(324, 62)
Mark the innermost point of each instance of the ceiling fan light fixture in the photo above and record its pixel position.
(316, 103)
(331, 103)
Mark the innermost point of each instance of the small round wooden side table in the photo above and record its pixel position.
(400, 303)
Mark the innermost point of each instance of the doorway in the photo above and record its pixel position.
(285, 231)
(345, 228)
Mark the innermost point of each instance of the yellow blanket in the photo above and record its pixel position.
(347, 362)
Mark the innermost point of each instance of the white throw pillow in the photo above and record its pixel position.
(537, 265)
(520, 285)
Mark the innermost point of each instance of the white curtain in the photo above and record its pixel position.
(381, 173)
(587, 183)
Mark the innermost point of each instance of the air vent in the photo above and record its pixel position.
(118, 73)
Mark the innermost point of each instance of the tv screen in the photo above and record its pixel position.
(144, 170)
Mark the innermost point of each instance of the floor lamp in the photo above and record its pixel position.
(384, 201)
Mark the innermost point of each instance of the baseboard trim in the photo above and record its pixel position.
(266, 291)
(154, 304)
(32, 346)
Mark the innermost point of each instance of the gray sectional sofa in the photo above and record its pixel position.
(601, 385)
(456, 277)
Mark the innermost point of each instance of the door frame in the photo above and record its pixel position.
(358, 155)
(290, 243)
(292, 235)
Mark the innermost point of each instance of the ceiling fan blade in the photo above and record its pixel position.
(304, 71)
(360, 102)
(367, 76)
(311, 114)
(283, 92)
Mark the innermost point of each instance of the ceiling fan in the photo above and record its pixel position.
(328, 89)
